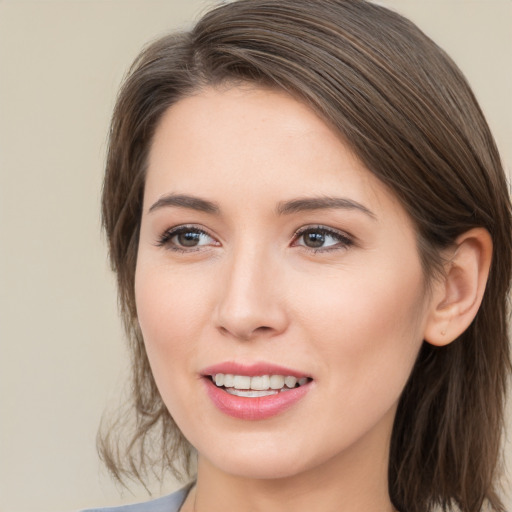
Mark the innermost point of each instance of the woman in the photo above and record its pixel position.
(310, 227)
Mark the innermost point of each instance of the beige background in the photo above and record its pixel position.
(62, 360)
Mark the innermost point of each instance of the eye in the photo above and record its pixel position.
(321, 238)
(186, 238)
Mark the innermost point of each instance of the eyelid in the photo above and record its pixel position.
(164, 240)
(345, 239)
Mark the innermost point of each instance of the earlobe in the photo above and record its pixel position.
(457, 296)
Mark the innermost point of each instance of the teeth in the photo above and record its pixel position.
(276, 381)
(290, 381)
(263, 385)
(229, 380)
(260, 383)
(242, 382)
(249, 393)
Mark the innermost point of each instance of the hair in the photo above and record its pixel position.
(407, 112)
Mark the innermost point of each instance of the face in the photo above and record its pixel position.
(272, 262)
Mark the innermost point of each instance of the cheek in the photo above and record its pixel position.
(165, 307)
(369, 326)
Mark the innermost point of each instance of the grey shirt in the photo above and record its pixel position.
(170, 503)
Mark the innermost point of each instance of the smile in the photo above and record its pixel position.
(256, 391)
(257, 386)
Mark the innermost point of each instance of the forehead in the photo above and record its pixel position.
(252, 142)
(257, 118)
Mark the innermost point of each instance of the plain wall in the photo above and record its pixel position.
(62, 358)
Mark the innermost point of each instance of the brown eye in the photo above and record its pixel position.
(318, 238)
(183, 238)
(187, 239)
(314, 239)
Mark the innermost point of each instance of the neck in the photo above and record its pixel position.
(351, 481)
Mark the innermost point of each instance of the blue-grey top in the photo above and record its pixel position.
(170, 503)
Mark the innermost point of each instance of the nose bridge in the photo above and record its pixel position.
(249, 304)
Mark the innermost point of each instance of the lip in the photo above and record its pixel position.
(258, 408)
(251, 370)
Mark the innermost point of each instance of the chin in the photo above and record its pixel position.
(260, 468)
(263, 459)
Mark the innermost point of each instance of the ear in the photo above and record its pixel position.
(457, 295)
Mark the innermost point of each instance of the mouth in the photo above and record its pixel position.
(256, 391)
(258, 385)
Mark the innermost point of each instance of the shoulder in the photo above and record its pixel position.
(170, 503)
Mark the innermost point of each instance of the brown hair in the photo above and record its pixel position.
(408, 113)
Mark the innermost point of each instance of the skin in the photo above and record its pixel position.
(351, 314)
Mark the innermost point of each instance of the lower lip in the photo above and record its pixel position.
(257, 408)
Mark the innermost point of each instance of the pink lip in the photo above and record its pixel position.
(251, 370)
(258, 408)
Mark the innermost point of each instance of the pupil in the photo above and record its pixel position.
(314, 239)
(188, 239)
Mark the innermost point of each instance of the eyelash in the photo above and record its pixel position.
(343, 240)
(165, 240)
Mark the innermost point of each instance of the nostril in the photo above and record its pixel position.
(245, 334)
(263, 328)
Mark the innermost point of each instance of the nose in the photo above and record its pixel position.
(251, 302)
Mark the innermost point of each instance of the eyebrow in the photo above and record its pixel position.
(283, 208)
(321, 203)
(185, 201)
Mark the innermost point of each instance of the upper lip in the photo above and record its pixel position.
(252, 369)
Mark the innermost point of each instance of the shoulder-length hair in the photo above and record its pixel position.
(408, 113)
